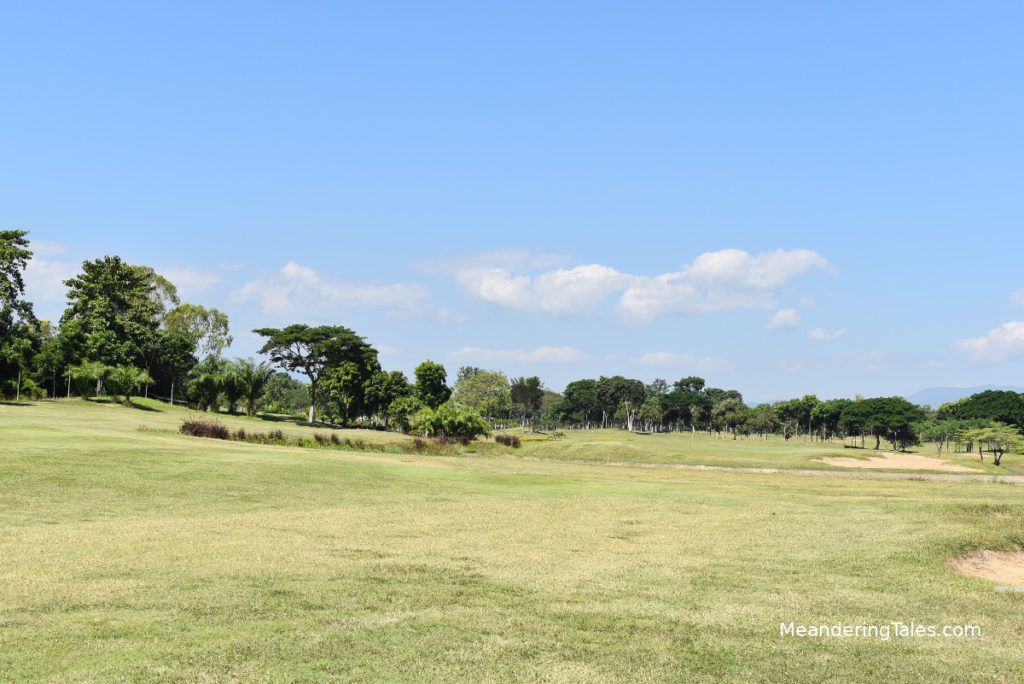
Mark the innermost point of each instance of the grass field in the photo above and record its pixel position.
(131, 554)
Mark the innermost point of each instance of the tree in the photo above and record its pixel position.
(174, 355)
(125, 380)
(18, 341)
(651, 413)
(999, 438)
(382, 389)
(891, 418)
(231, 385)
(14, 257)
(431, 384)
(285, 394)
(1001, 406)
(526, 395)
(206, 382)
(208, 327)
(85, 375)
(112, 301)
(402, 410)
(580, 400)
(485, 391)
(313, 351)
(252, 378)
(164, 294)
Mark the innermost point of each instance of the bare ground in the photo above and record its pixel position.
(1004, 567)
(894, 461)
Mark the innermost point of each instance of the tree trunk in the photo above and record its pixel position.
(172, 393)
(18, 396)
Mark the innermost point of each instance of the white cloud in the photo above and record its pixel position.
(299, 288)
(44, 280)
(807, 302)
(1017, 298)
(190, 281)
(47, 249)
(999, 344)
(658, 358)
(822, 335)
(783, 319)
(560, 292)
(539, 355)
(727, 279)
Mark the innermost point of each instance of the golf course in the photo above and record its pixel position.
(132, 552)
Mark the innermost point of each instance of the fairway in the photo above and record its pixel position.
(132, 554)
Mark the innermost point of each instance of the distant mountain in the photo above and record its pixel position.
(936, 396)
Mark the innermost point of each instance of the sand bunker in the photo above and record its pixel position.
(900, 462)
(1004, 567)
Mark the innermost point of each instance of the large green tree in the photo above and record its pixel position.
(432, 384)
(485, 391)
(314, 351)
(19, 338)
(208, 327)
(112, 302)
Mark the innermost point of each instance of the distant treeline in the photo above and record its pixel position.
(125, 332)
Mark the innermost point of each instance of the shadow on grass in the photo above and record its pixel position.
(13, 403)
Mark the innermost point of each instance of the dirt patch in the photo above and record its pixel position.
(888, 459)
(1004, 567)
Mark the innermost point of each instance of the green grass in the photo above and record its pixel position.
(619, 446)
(146, 555)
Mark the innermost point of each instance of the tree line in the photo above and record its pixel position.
(125, 331)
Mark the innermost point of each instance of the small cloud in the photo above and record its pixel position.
(1017, 298)
(297, 288)
(658, 358)
(822, 335)
(190, 281)
(807, 302)
(46, 248)
(539, 355)
(1000, 344)
(44, 280)
(783, 319)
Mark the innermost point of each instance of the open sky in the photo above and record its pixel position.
(785, 198)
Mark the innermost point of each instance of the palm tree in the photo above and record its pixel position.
(126, 380)
(206, 382)
(252, 378)
(86, 373)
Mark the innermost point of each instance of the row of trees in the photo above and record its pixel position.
(125, 331)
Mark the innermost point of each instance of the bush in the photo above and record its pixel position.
(203, 427)
(508, 440)
(450, 420)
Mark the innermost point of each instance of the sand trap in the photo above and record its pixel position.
(1004, 567)
(899, 461)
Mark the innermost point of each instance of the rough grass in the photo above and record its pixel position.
(144, 556)
(603, 446)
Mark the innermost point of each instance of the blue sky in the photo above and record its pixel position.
(781, 197)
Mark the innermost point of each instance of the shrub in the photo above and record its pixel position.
(508, 440)
(240, 435)
(320, 439)
(202, 427)
(334, 439)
